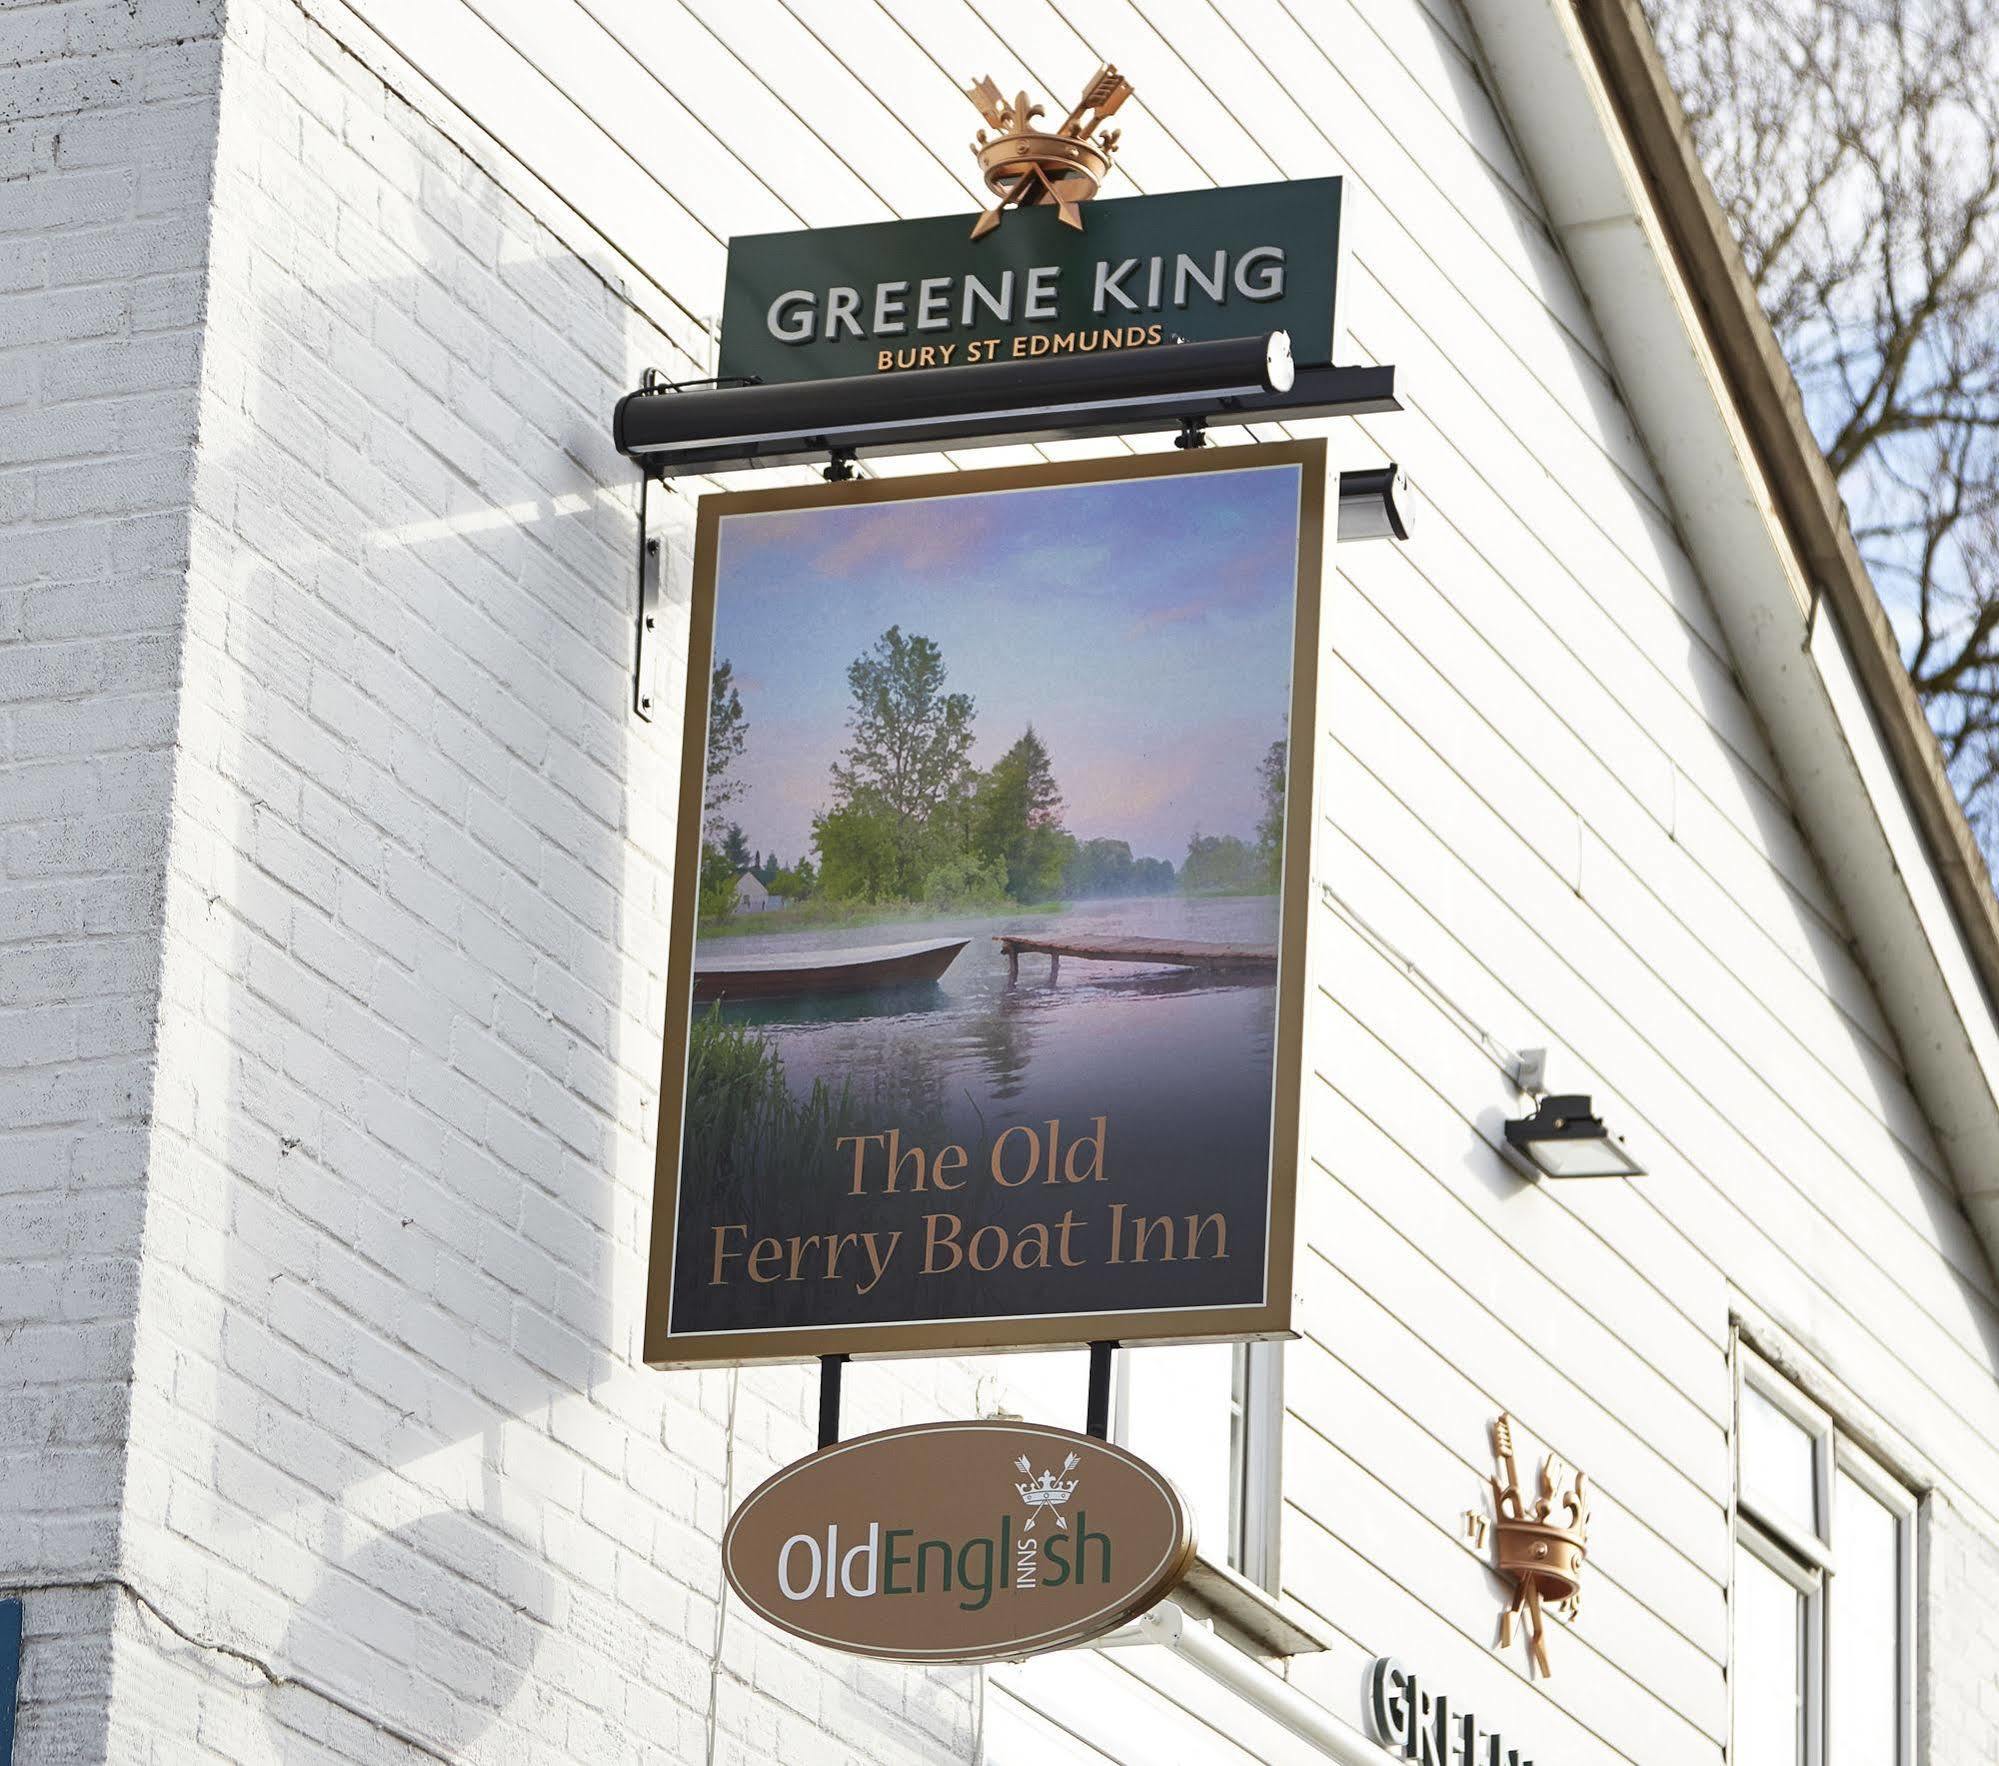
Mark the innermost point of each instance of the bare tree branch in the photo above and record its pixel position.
(1854, 148)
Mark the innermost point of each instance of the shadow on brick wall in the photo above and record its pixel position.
(422, 949)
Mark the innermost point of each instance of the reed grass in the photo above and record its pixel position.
(743, 1119)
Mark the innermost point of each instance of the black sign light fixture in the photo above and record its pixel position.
(675, 430)
(1564, 1137)
(1374, 504)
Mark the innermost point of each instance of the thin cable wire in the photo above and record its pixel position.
(1503, 1056)
(722, 1584)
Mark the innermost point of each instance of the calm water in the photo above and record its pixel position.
(1178, 1065)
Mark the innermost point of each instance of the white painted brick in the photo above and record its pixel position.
(357, 834)
(1958, 1658)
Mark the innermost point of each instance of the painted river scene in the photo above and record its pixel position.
(984, 1000)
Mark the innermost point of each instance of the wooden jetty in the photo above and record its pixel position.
(1169, 953)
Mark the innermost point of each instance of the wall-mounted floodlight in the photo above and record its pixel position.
(1374, 504)
(1563, 1139)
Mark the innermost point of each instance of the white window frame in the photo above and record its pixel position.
(1256, 1482)
(1810, 1562)
(1808, 1580)
(1255, 1422)
(1905, 1506)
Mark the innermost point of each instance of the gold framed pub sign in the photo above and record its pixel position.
(986, 989)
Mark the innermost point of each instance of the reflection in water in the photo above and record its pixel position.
(974, 1052)
(820, 1008)
(1002, 1038)
(1177, 1063)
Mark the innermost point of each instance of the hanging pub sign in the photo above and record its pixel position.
(959, 1542)
(1197, 265)
(986, 986)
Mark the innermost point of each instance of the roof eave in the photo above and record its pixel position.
(1725, 422)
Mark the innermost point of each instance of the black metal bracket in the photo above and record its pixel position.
(830, 1368)
(839, 466)
(1193, 433)
(655, 380)
(1097, 1417)
(650, 562)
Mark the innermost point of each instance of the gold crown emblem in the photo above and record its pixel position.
(1024, 165)
(1540, 1545)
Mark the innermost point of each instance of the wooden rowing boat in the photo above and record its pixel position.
(832, 971)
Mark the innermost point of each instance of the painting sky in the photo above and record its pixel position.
(1142, 626)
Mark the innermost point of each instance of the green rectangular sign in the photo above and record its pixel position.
(1196, 265)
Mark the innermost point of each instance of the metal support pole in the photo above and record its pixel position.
(1098, 1421)
(830, 1367)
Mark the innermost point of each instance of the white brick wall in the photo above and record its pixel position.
(398, 1485)
(107, 119)
(1957, 1639)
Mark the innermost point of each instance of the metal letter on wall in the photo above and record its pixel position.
(985, 997)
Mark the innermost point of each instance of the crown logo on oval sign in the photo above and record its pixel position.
(1024, 165)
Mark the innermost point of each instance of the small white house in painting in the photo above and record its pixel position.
(751, 896)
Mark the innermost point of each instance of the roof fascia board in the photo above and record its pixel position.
(1584, 92)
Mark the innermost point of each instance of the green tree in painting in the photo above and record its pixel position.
(736, 852)
(1099, 867)
(798, 883)
(728, 732)
(1017, 820)
(966, 882)
(717, 886)
(908, 748)
(858, 856)
(1221, 864)
(1270, 825)
(1107, 868)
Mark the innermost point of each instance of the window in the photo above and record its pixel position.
(1210, 1416)
(1823, 1605)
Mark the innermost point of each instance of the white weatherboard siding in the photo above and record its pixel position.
(391, 1437)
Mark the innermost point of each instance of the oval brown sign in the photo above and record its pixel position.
(959, 1542)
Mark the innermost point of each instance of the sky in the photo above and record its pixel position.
(1142, 626)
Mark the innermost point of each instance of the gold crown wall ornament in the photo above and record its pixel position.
(1540, 1547)
(1023, 165)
